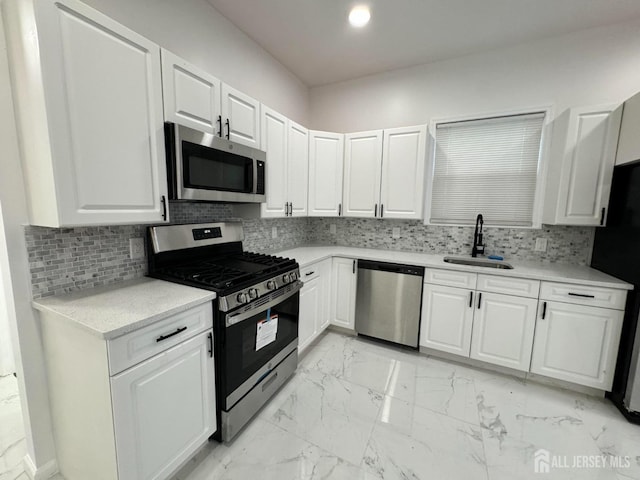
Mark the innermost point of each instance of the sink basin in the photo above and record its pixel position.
(479, 262)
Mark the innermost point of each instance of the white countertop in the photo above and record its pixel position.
(550, 272)
(112, 311)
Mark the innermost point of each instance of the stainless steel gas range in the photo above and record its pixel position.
(255, 314)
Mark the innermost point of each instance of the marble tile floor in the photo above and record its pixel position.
(356, 409)
(12, 442)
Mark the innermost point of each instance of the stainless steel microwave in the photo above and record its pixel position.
(202, 166)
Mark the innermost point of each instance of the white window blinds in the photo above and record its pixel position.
(487, 166)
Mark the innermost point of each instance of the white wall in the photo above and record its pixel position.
(7, 364)
(16, 283)
(586, 68)
(194, 30)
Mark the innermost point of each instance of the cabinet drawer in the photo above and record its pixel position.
(139, 345)
(521, 287)
(450, 278)
(584, 295)
(310, 272)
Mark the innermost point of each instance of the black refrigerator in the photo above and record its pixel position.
(616, 251)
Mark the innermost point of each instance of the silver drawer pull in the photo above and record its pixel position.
(169, 335)
(581, 295)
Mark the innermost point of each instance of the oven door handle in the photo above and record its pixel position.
(233, 319)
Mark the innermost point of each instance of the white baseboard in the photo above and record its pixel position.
(44, 472)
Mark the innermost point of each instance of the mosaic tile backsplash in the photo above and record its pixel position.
(68, 259)
(564, 244)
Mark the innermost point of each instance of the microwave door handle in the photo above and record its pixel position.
(254, 183)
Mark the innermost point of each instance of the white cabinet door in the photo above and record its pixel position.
(325, 294)
(362, 170)
(164, 410)
(576, 343)
(326, 154)
(403, 162)
(310, 311)
(274, 142)
(447, 319)
(503, 329)
(343, 293)
(629, 140)
(584, 150)
(298, 169)
(89, 100)
(191, 96)
(243, 116)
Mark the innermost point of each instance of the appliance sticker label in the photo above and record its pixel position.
(267, 330)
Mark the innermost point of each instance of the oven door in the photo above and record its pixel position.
(257, 337)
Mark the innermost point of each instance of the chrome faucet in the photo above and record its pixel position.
(478, 246)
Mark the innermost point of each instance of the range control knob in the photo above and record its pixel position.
(293, 276)
(271, 285)
(242, 298)
(286, 278)
(253, 293)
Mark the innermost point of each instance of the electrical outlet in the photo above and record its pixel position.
(274, 232)
(332, 229)
(541, 245)
(396, 232)
(136, 248)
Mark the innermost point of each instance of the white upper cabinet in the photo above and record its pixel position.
(297, 169)
(384, 173)
(362, 170)
(274, 142)
(88, 96)
(191, 96)
(287, 169)
(241, 117)
(403, 162)
(326, 154)
(629, 140)
(583, 153)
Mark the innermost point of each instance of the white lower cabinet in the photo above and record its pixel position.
(577, 343)
(315, 297)
(447, 319)
(503, 329)
(135, 407)
(162, 409)
(343, 293)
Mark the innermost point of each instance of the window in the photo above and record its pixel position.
(487, 166)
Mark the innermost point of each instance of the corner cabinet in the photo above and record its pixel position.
(91, 132)
(583, 153)
(385, 173)
(287, 169)
(326, 154)
(343, 293)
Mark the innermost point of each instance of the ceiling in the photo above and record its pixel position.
(313, 39)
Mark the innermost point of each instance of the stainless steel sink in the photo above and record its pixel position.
(479, 262)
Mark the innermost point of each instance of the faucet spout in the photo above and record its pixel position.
(478, 246)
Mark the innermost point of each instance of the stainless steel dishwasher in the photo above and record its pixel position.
(388, 301)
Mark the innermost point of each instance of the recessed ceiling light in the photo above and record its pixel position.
(359, 16)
